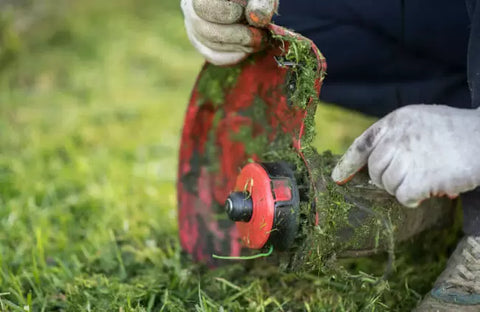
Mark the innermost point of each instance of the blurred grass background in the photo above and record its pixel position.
(92, 98)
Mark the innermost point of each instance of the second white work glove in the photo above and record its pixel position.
(218, 29)
(418, 151)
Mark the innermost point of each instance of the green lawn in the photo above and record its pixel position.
(92, 97)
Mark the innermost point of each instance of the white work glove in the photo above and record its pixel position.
(217, 29)
(418, 151)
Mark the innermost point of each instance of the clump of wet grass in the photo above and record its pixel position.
(90, 116)
(303, 64)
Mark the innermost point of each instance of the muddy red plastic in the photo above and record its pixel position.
(222, 119)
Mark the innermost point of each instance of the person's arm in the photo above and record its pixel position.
(420, 151)
(473, 59)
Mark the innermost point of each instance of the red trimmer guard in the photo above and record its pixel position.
(232, 111)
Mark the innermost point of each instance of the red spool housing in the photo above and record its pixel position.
(254, 179)
(274, 196)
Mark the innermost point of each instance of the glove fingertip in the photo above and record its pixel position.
(413, 203)
(259, 18)
(259, 13)
(340, 176)
(409, 201)
(344, 181)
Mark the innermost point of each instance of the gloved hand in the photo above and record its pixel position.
(418, 151)
(216, 30)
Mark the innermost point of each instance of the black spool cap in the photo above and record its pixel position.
(239, 206)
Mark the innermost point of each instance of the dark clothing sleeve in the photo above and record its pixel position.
(474, 52)
(384, 54)
(471, 200)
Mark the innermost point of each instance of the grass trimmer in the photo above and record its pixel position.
(249, 178)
